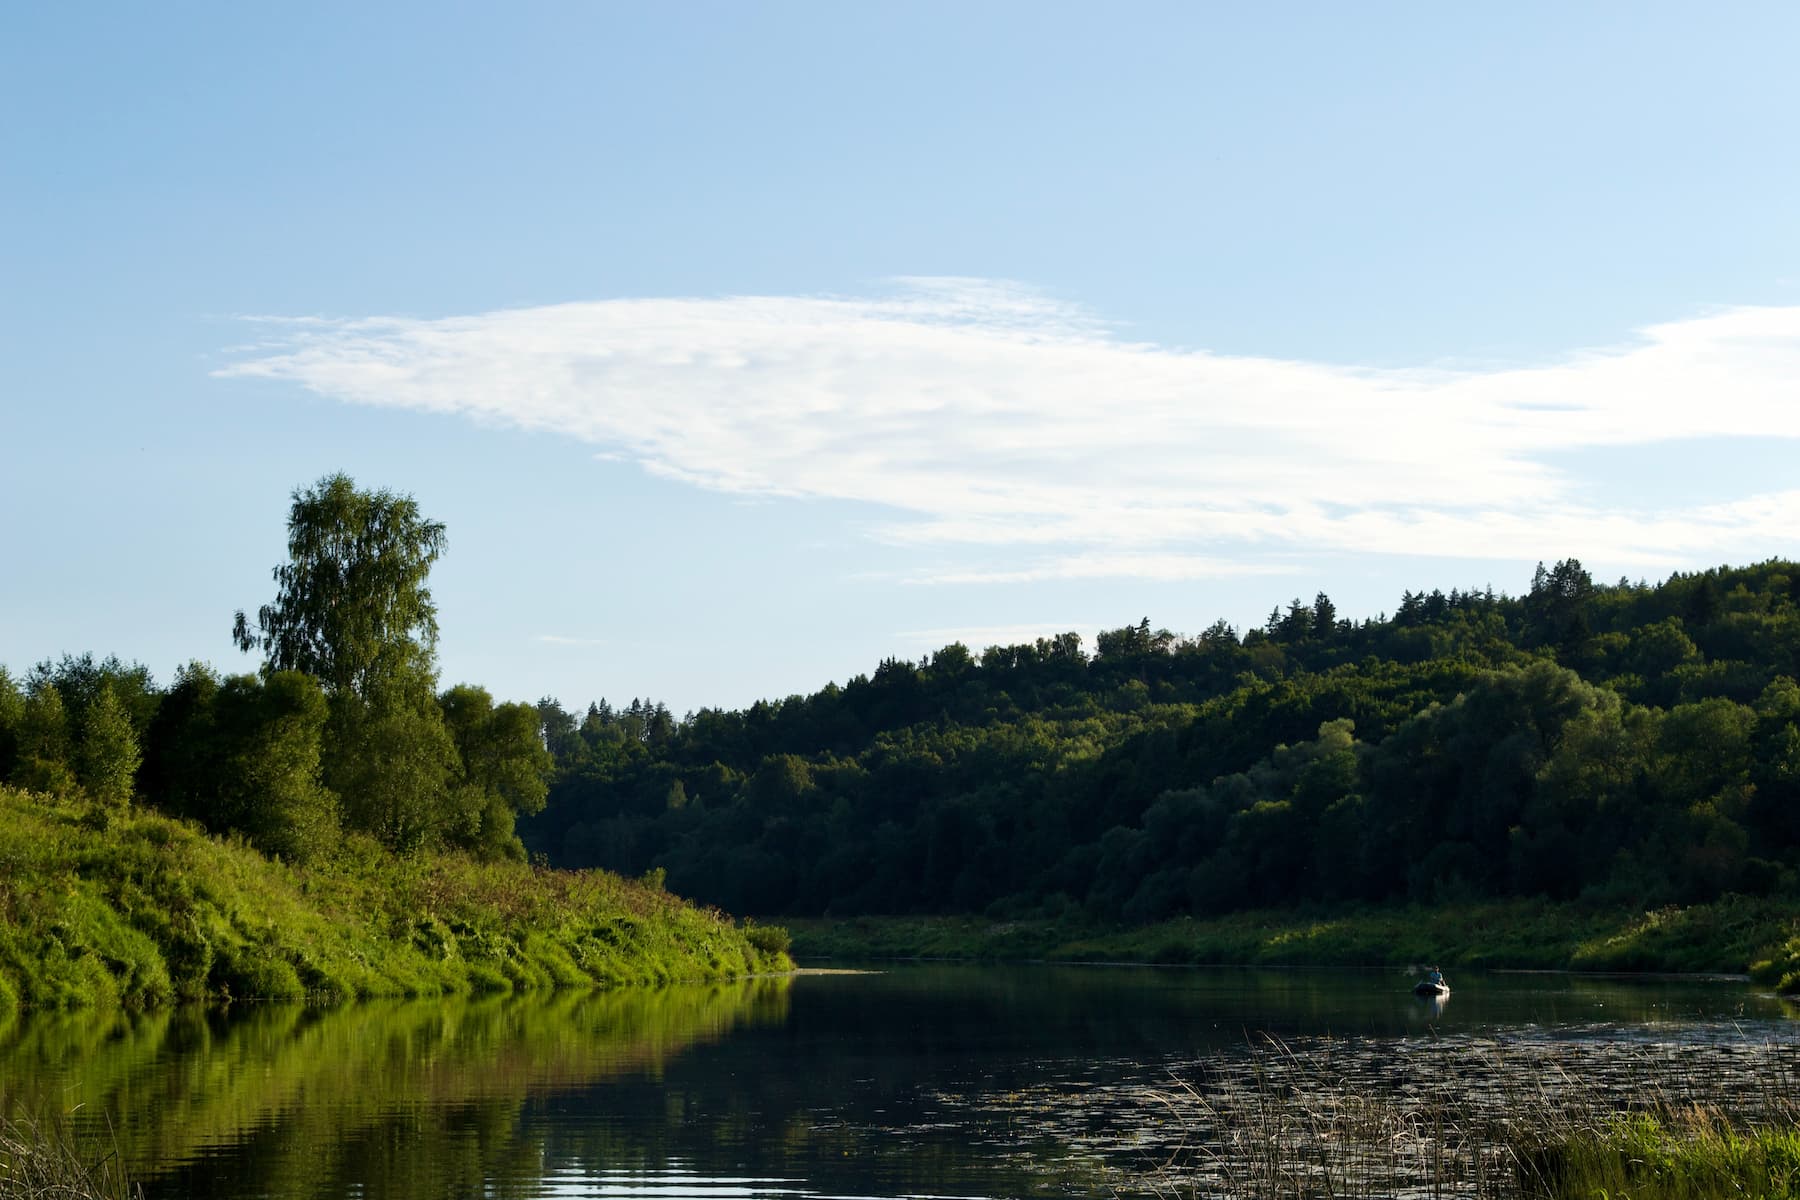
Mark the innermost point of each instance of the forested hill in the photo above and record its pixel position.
(1630, 743)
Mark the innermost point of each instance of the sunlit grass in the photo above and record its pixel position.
(1692, 1155)
(142, 910)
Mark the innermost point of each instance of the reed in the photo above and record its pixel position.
(1691, 1155)
(1488, 1122)
(43, 1158)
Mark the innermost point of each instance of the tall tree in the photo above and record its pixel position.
(351, 604)
(1324, 617)
(108, 754)
(1556, 610)
(352, 609)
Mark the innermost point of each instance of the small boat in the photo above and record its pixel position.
(1427, 988)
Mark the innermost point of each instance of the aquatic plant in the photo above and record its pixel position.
(42, 1158)
(1526, 1121)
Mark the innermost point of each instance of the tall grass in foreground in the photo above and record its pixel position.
(1695, 1155)
(1282, 1125)
(43, 1159)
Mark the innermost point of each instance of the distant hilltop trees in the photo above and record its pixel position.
(1626, 742)
(1622, 742)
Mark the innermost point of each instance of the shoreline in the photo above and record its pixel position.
(1739, 939)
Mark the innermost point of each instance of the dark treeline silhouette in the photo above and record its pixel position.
(1626, 743)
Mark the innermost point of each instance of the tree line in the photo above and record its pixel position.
(343, 729)
(1625, 743)
(1618, 742)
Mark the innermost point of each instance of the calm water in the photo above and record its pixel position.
(914, 1081)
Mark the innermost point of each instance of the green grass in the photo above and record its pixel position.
(1732, 936)
(1691, 1157)
(140, 910)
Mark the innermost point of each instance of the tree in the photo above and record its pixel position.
(244, 755)
(1556, 610)
(505, 769)
(352, 610)
(351, 606)
(1296, 625)
(108, 755)
(42, 762)
(1324, 617)
(79, 680)
(557, 728)
(273, 732)
(394, 776)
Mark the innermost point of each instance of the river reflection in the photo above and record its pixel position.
(918, 1080)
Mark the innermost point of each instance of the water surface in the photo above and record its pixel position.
(912, 1081)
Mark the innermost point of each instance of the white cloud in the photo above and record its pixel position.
(996, 422)
(1162, 568)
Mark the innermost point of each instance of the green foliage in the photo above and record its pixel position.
(1729, 936)
(772, 940)
(144, 910)
(1622, 744)
(394, 766)
(351, 605)
(1695, 1155)
(504, 770)
(43, 744)
(353, 612)
(244, 755)
(108, 755)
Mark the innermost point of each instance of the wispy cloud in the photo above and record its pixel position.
(995, 422)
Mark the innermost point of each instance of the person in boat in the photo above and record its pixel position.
(1435, 978)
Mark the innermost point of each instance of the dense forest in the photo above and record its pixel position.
(1620, 743)
(1625, 743)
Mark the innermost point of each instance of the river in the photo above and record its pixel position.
(913, 1080)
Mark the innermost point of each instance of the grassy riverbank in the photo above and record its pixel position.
(121, 907)
(1693, 1156)
(1760, 937)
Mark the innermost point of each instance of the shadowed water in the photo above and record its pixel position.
(914, 1081)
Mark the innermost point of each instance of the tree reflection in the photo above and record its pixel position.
(419, 1098)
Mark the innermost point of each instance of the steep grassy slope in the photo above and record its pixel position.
(113, 907)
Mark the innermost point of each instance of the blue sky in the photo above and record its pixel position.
(742, 345)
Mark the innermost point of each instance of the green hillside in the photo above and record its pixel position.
(134, 908)
(1627, 745)
(334, 825)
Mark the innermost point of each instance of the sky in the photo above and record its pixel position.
(741, 346)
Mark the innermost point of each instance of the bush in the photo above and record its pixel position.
(770, 939)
